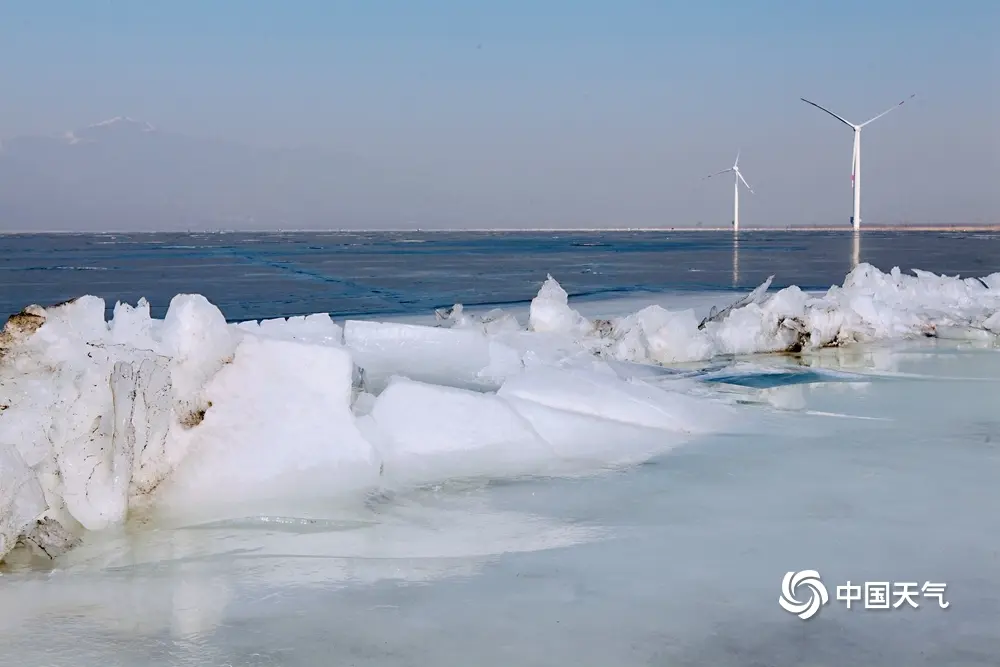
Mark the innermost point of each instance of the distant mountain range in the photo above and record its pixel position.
(126, 174)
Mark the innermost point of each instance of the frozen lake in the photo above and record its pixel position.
(874, 462)
(677, 562)
(275, 274)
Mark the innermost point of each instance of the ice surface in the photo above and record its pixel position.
(432, 432)
(190, 419)
(436, 355)
(677, 562)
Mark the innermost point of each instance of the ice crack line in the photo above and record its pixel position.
(290, 267)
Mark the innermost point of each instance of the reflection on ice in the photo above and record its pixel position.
(184, 579)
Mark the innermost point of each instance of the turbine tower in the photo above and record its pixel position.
(736, 189)
(856, 160)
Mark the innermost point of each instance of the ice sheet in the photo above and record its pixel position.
(677, 562)
(190, 419)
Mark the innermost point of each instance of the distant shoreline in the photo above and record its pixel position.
(535, 230)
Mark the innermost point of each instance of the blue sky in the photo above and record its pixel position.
(540, 110)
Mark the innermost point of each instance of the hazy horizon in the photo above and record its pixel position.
(514, 115)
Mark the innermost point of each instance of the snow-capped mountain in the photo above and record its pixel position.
(124, 173)
(108, 129)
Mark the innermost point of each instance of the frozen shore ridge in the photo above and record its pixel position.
(191, 418)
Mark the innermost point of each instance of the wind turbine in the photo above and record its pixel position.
(856, 160)
(736, 189)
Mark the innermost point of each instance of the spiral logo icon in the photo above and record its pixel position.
(789, 601)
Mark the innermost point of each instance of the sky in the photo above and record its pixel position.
(554, 112)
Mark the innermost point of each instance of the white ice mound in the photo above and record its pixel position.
(278, 426)
(195, 418)
(91, 406)
(869, 307)
(21, 498)
(550, 311)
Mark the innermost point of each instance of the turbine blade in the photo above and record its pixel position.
(736, 164)
(894, 106)
(744, 181)
(842, 120)
(724, 171)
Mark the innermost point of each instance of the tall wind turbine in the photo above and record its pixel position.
(736, 189)
(856, 161)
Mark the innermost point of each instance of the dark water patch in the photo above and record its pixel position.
(769, 380)
(279, 274)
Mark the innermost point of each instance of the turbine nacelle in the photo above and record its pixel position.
(735, 170)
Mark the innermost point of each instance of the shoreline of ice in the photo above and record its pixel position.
(197, 419)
